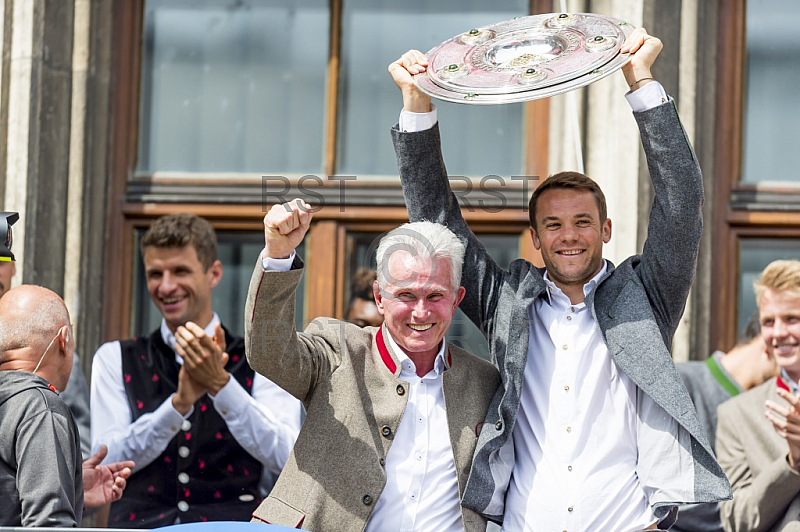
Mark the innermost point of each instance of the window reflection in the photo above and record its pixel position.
(754, 256)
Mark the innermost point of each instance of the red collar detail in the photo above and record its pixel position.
(782, 385)
(382, 349)
(387, 358)
(49, 385)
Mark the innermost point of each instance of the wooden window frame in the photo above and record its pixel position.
(741, 210)
(137, 200)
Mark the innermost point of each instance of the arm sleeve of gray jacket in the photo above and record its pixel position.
(428, 196)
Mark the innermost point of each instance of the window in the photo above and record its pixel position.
(756, 193)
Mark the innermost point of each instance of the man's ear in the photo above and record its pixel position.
(535, 238)
(376, 292)
(215, 273)
(607, 231)
(460, 293)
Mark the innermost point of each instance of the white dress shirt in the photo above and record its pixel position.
(265, 424)
(421, 492)
(575, 434)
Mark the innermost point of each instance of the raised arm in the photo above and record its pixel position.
(294, 361)
(428, 196)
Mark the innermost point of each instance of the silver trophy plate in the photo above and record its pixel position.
(526, 58)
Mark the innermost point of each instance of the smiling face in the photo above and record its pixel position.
(179, 286)
(570, 235)
(418, 302)
(780, 328)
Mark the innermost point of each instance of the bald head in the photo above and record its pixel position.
(30, 318)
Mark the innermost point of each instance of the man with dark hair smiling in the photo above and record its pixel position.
(605, 436)
(183, 403)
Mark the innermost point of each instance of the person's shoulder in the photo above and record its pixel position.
(751, 399)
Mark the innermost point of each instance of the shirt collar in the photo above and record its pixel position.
(407, 365)
(169, 337)
(556, 296)
(793, 386)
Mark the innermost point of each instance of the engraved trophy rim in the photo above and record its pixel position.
(525, 58)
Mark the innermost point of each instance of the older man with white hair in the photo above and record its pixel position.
(393, 411)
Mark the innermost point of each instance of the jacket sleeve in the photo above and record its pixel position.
(759, 501)
(669, 258)
(48, 466)
(293, 360)
(428, 197)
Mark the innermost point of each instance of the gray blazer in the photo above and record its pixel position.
(766, 491)
(637, 307)
(355, 401)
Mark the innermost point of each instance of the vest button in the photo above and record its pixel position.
(186, 425)
(401, 390)
(386, 430)
(499, 424)
(183, 451)
(367, 499)
(183, 506)
(183, 478)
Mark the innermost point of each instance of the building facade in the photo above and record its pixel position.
(115, 112)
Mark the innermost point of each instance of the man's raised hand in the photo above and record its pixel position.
(285, 226)
(402, 71)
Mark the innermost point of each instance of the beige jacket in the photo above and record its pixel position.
(765, 489)
(354, 401)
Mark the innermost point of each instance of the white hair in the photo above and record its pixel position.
(422, 239)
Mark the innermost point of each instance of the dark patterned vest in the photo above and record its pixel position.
(204, 474)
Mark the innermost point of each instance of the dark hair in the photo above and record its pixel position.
(568, 180)
(752, 329)
(180, 230)
(361, 284)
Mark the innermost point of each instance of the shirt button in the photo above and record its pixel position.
(174, 429)
(400, 390)
(183, 451)
(572, 309)
(569, 429)
(183, 506)
(499, 424)
(247, 497)
(566, 387)
(569, 468)
(183, 478)
(564, 347)
(419, 458)
(186, 425)
(569, 509)
(224, 411)
(569, 318)
(367, 499)
(386, 430)
(382, 461)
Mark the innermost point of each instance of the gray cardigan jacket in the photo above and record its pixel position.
(637, 306)
(355, 401)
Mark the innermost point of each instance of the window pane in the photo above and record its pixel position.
(754, 256)
(477, 140)
(233, 85)
(772, 111)
(502, 248)
(238, 252)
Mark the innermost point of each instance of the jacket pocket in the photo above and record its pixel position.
(276, 512)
